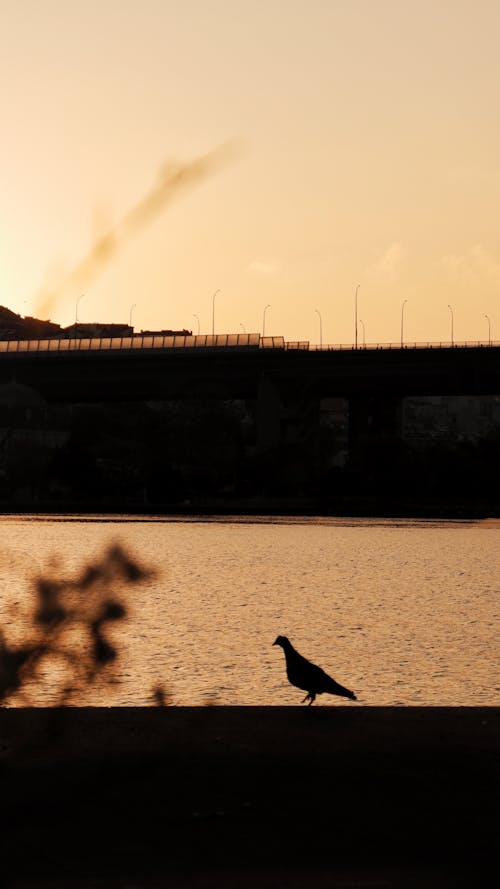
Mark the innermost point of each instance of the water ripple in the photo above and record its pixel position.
(402, 612)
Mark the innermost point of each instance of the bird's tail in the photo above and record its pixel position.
(334, 688)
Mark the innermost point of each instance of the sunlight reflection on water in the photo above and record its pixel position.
(402, 612)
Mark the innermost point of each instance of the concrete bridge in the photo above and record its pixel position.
(233, 366)
(277, 375)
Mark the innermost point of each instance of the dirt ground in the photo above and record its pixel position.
(328, 796)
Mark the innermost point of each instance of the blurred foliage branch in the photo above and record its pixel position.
(70, 636)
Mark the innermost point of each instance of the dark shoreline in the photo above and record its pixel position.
(245, 796)
(345, 508)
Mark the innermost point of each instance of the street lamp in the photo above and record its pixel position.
(213, 311)
(76, 310)
(489, 329)
(320, 328)
(363, 326)
(402, 316)
(242, 327)
(130, 314)
(198, 320)
(356, 317)
(451, 312)
(264, 319)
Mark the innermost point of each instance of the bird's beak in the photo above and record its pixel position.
(275, 642)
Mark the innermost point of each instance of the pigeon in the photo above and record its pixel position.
(309, 677)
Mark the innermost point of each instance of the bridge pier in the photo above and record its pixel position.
(268, 415)
(373, 416)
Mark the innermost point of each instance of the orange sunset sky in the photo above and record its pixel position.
(364, 149)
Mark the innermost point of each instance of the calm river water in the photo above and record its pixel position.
(402, 612)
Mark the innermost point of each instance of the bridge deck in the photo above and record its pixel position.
(208, 342)
(143, 368)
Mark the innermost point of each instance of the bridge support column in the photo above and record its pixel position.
(268, 415)
(373, 416)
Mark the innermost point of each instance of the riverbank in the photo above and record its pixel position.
(326, 796)
(344, 507)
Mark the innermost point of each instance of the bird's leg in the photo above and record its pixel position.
(308, 695)
(312, 698)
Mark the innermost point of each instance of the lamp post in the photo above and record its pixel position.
(356, 317)
(402, 320)
(76, 310)
(489, 329)
(130, 314)
(363, 326)
(320, 328)
(264, 319)
(451, 313)
(198, 320)
(213, 311)
(243, 327)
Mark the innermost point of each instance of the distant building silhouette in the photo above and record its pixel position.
(31, 434)
(95, 329)
(182, 332)
(14, 327)
(452, 418)
(98, 329)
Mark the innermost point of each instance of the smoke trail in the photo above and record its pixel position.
(172, 180)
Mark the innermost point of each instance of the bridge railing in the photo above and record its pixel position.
(457, 344)
(137, 341)
(212, 341)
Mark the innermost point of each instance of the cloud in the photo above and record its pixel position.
(485, 262)
(475, 265)
(387, 266)
(264, 268)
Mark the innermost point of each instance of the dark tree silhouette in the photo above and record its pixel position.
(70, 625)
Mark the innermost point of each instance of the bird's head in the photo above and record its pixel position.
(281, 640)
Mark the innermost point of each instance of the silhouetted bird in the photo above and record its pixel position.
(309, 677)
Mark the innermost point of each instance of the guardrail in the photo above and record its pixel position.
(457, 344)
(131, 343)
(206, 341)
